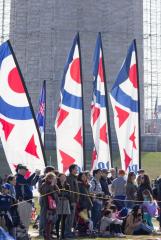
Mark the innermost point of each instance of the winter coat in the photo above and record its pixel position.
(84, 201)
(73, 183)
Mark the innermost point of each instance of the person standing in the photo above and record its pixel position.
(141, 173)
(48, 169)
(24, 193)
(85, 202)
(12, 181)
(118, 189)
(131, 190)
(97, 192)
(144, 185)
(49, 192)
(63, 208)
(104, 182)
(74, 199)
(112, 175)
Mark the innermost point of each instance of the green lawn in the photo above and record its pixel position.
(151, 162)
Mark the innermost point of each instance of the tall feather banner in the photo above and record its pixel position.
(69, 120)
(101, 157)
(125, 103)
(18, 128)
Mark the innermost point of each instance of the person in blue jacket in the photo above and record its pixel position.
(24, 195)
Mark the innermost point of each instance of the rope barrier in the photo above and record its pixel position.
(91, 195)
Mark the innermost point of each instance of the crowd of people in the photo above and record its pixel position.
(104, 203)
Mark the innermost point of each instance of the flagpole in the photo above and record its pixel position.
(44, 87)
(29, 100)
(83, 125)
(107, 105)
(139, 121)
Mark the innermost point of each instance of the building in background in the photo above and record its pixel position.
(41, 33)
(152, 66)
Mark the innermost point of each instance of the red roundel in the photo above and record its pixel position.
(15, 81)
(133, 76)
(75, 70)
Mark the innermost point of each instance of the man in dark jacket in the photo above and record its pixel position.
(74, 198)
(104, 182)
(24, 193)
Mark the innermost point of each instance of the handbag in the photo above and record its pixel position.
(51, 203)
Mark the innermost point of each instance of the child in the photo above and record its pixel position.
(7, 212)
(50, 200)
(150, 207)
(110, 226)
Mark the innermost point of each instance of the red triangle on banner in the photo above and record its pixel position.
(122, 115)
(127, 159)
(132, 138)
(78, 137)
(103, 133)
(62, 115)
(7, 127)
(96, 113)
(66, 160)
(31, 147)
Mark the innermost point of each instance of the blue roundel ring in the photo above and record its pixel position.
(71, 100)
(17, 113)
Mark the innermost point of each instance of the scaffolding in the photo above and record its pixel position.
(5, 7)
(152, 65)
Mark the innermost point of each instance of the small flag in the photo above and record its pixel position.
(101, 157)
(69, 120)
(41, 116)
(18, 128)
(125, 102)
